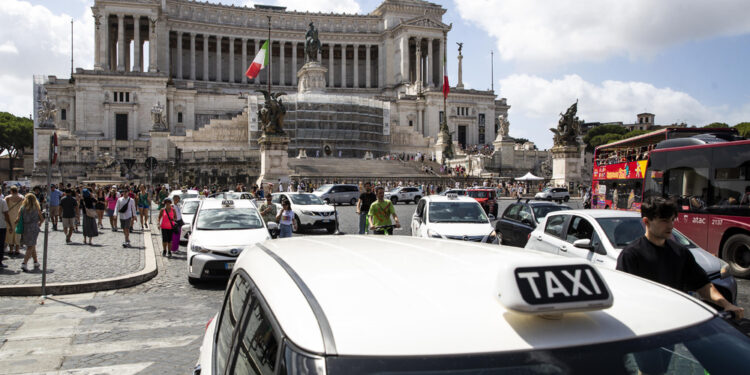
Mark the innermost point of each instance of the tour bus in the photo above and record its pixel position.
(707, 173)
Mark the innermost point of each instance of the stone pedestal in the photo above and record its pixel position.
(442, 141)
(274, 160)
(302, 154)
(566, 165)
(504, 155)
(159, 145)
(311, 78)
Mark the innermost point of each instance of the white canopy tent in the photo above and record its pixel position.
(529, 177)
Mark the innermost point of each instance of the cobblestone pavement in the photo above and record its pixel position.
(76, 261)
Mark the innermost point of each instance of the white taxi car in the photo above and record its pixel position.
(221, 230)
(452, 217)
(310, 211)
(189, 207)
(400, 305)
(600, 235)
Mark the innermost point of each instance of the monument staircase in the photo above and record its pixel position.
(217, 134)
(351, 168)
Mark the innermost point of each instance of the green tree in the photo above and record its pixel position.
(599, 131)
(717, 125)
(16, 135)
(743, 128)
(521, 140)
(635, 133)
(604, 139)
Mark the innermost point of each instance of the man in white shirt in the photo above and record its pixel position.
(125, 210)
(4, 222)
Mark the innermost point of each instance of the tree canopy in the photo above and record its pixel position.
(743, 128)
(600, 131)
(717, 125)
(16, 134)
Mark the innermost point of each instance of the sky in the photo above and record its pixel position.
(682, 60)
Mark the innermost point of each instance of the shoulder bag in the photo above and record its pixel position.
(19, 224)
(90, 212)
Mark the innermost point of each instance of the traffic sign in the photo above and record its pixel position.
(151, 163)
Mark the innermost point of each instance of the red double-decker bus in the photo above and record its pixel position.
(706, 171)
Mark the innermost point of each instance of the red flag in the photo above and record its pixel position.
(446, 86)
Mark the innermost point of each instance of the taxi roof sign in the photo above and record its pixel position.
(227, 203)
(452, 195)
(554, 287)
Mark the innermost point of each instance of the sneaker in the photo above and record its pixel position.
(36, 265)
(163, 253)
(23, 267)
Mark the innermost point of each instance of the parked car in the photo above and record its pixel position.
(189, 207)
(404, 194)
(309, 211)
(338, 193)
(553, 194)
(600, 235)
(459, 192)
(487, 197)
(184, 194)
(522, 217)
(452, 217)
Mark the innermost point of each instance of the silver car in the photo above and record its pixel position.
(600, 236)
(338, 193)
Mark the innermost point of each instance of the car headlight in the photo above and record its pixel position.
(198, 249)
(433, 234)
(725, 272)
(308, 213)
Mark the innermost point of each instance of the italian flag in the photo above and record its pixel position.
(446, 86)
(259, 62)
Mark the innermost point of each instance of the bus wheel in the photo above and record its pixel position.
(737, 253)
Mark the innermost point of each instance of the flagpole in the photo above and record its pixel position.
(445, 74)
(270, 55)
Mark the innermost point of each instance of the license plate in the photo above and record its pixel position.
(229, 266)
(326, 220)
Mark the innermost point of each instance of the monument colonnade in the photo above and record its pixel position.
(224, 58)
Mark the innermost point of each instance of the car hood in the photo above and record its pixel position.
(461, 229)
(228, 239)
(313, 207)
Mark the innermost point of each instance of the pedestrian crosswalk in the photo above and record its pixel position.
(90, 334)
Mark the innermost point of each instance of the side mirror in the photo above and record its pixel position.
(272, 225)
(491, 217)
(583, 244)
(186, 228)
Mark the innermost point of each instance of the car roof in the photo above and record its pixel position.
(217, 203)
(443, 198)
(398, 295)
(541, 203)
(481, 188)
(599, 213)
(190, 191)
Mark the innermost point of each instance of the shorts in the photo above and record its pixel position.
(54, 210)
(142, 205)
(69, 222)
(110, 213)
(166, 235)
(125, 223)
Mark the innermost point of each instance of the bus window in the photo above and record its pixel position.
(686, 180)
(731, 182)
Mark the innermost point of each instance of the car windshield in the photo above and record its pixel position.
(712, 347)
(541, 211)
(188, 196)
(229, 218)
(478, 194)
(395, 190)
(324, 188)
(305, 199)
(190, 207)
(621, 231)
(456, 212)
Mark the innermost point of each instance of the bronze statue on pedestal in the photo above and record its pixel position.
(568, 128)
(271, 114)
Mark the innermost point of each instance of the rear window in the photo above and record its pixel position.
(554, 225)
(540, 212)
(478, 194)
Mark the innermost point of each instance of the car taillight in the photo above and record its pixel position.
(209, 323)
(528, 236)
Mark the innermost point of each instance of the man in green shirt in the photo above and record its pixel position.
(268, 210)
(380, 213)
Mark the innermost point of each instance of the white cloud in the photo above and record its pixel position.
(336, 6)
(545, 32)
(536, 103)
(8, 47)
(39, 42)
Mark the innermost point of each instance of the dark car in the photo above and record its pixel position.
(520, 218)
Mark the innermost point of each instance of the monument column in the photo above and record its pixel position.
(282, 76)
(367, 66)
(179, 55)
(120, 42)
(205, 57)
(430, 73)
(343, 65)
(168, 54)
(244, 60)
(231, 60)
(418, 63)
(98, 39)
(405, 59)
(330, 65)
(152, 65)
(192, 56)
(355, 72)
(136, 43)
(460, 84)
(294, 63)
(218, 58)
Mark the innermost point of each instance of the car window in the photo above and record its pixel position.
(621, 231)
(525, 214)
(512, 212)
(420, 208)
(579, 229)
(541, 211)
(190, 207)
(323, 188)
(230, 315)
(352, 188)
(277, 198)
(305, 199)
(554, 225)
(229, 218)
(477, 194)
(257, 347)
